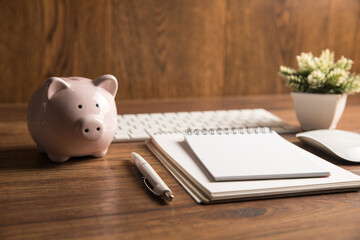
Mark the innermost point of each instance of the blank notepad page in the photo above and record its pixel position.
(251, 156)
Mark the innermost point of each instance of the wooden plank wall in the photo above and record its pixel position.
(173, 48)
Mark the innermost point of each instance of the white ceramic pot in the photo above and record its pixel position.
(318, 111)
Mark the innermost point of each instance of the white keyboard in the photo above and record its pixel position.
(138, 127)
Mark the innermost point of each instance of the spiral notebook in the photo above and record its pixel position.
(251, 155)
(178, 157)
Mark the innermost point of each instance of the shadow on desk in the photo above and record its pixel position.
(33, 159)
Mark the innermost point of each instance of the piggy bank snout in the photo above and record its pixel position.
(90, 127)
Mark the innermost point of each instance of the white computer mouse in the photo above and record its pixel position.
(339, 143)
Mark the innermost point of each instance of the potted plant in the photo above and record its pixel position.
(320, 87)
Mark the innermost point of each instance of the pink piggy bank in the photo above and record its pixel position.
(74, 116)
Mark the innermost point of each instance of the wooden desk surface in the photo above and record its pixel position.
(105, 198)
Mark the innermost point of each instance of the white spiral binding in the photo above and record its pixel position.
(228, 131)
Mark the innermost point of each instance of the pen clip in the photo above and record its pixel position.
(147, 185)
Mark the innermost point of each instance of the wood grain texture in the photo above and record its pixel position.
(262, 35)
(105, 198)
(169, 49)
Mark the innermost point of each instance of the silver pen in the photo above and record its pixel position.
(151, 179)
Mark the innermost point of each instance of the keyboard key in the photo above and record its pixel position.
(121, 137)
(139, 135)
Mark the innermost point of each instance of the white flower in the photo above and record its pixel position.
(325, 61)
(287, 71)
(306, 62)
(344, 63)
(295, 82)
(337, 76)
(316, 79)
(352, 84)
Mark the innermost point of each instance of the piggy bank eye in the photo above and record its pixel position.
(97, 105)
(80, 106)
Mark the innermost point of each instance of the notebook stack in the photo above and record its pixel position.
(241, 164)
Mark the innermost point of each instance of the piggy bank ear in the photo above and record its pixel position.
(55, 84)
(107, 82)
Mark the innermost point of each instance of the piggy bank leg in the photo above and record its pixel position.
(100, 154)
(57, 158)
